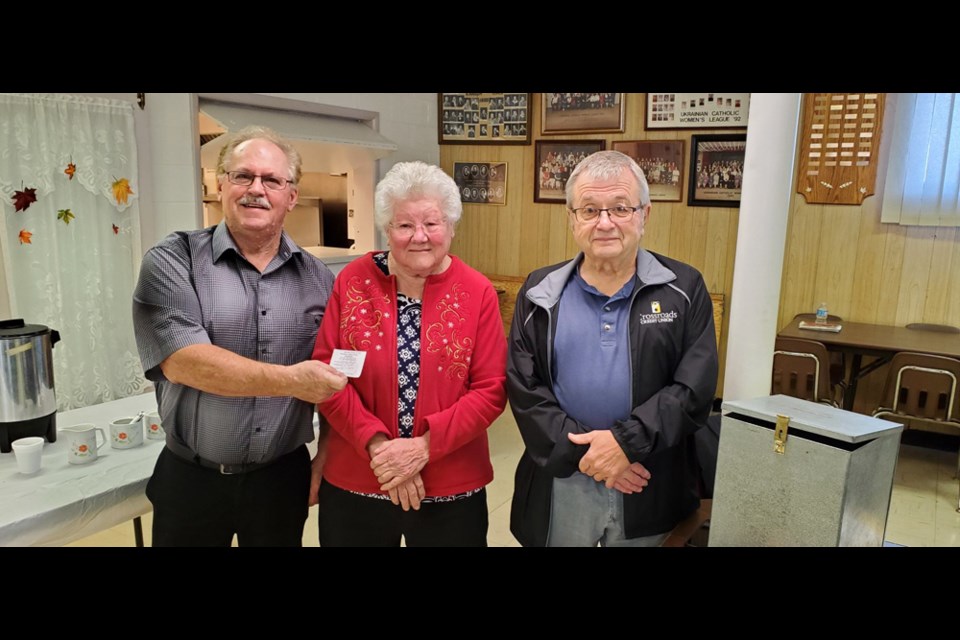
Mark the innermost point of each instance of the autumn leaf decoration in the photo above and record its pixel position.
(70, 170)
(116, 229)
(121, 190)
(66, 215)
(23, 199)
(25, 236)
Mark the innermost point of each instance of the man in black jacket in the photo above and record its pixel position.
(612, 368)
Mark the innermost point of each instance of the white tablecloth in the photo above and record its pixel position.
(65, 502)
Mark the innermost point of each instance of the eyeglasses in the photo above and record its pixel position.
(589, 214)
(245, 179)
(408, 229)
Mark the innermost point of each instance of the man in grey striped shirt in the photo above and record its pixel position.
(225, 320)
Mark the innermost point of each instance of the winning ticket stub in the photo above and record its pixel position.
(349, 363)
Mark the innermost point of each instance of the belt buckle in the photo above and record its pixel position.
(224, 469)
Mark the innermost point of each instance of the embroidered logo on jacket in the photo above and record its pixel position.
(657, 316)
(654, 307)
(445, 337)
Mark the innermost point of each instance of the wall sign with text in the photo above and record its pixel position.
(697, 110)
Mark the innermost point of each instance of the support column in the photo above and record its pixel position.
(761, 240)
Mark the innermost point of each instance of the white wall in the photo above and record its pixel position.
(174, 166)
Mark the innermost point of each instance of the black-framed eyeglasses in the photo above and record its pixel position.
(245, 179)
(618, 212)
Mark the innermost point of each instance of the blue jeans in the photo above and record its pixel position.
(585, 513)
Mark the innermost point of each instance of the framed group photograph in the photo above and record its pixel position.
(555, 160)
(481, 182)
(716, 170)
(563, 113)
(483, 118)
(697, 110)
(662, 164)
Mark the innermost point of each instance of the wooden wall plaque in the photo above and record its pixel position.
(839, 147)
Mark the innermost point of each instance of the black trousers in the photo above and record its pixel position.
(194, 506)
(350, 520)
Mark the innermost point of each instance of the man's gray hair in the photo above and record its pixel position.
(255, 132)
(604, 165)
(412, 181)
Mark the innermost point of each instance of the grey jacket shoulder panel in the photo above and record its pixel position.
(546, 293)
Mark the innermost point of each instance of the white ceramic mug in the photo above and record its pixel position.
(82, 444)
(154, 426)
(126, 433)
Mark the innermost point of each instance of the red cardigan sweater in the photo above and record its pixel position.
(463, 355)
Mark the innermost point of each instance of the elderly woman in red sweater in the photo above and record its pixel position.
(407, 454)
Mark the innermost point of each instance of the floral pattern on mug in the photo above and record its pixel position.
(82, 448)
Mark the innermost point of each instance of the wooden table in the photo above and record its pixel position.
(880, 341)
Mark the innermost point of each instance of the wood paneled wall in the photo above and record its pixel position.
(515, 239)
(867, 271)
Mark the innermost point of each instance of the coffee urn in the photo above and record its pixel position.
(28, 404)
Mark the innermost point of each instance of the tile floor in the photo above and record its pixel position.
(922, 510)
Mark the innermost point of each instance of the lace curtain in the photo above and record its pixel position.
(70, 237)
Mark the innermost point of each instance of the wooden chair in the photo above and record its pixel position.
(922, 387)
(801, 369)
(694, 530)
(510, 286)
(718, 306)
(838, 363)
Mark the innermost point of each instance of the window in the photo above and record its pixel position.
(922, 182)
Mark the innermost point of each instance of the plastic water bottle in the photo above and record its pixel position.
(822, 313)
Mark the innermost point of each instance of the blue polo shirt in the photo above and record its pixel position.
(591, 365)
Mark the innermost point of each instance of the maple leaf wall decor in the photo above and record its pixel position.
(23, 199)
(70, 170)
(66, 215)
(122, 190)
(25, 236)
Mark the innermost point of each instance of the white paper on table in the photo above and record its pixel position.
(349, 363)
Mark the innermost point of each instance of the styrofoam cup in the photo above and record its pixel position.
(28, 451)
